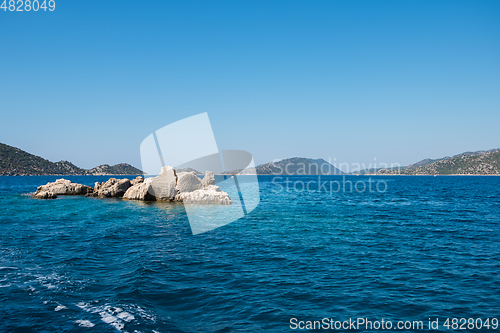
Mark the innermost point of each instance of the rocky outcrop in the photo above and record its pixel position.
(61, 187)
(209, 179)
(113, 188)
(167, 186)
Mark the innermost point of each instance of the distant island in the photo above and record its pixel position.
(16, 162)
(468, 163)
(293, 166)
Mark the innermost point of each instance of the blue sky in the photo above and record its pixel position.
(354, 81)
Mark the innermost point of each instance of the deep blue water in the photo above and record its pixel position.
(426, 247)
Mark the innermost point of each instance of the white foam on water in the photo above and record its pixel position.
(60, 307)
(125, 316)
(84, 323)
(111, 315)
(107, 318)
(117, 316)
(144, 314)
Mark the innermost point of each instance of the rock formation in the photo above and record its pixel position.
(113, 188)
(44, 195)
(137, 180)
(188, 182)
(210, 195)
(164, 186)
(184, 187)
(209, 179)
(61, 187)
(141, 191)
(167, 186)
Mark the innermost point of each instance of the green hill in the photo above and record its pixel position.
(16, 162)
(117, 169)
(295, 166)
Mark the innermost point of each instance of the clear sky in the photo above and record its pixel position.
(398, 81)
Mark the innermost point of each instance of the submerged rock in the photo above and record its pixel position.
(61, 187)
(45, 195)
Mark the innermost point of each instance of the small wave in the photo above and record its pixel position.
(8, 268)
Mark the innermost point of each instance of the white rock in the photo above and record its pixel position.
(163, 186)
(114, 188)
(140, 191)
(185, 187)
(209, 178)
(188, 182)
(211, 195)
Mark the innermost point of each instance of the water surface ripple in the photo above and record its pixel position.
(427, 247)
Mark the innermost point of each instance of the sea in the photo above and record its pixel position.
(415, 249)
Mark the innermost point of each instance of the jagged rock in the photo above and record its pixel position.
(140, 191)
(137, 180)
(163, 186)
(114, 188)
(211, 195)
(45, 195)
(188, 182)
(63, 187)
(209, 179)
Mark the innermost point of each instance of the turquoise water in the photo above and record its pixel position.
(426, 247)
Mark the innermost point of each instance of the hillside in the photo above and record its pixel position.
(295, 166)
(117, 169)
(16, 162)
(187, 169)
(468, 163)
